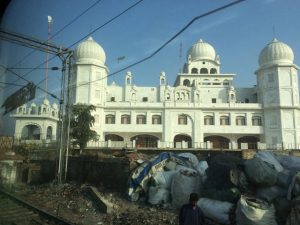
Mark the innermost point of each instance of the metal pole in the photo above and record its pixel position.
(61, 117)
(69, 116)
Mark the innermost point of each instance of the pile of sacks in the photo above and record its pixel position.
(264, 190)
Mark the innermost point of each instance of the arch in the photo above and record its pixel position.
(194, 71)
(206, 82)
(179, 138)
(187, 83)
(218, 142)
(145, 141)
(182, 119)
(49, 133)
(113, 137)
(224, 120)
(204, 71)
(110, 119)
(31, 132)
(256, 121)
(125, 119)
(156, 119)
(240, 121)
(140, 119)
(213, 71)
(250, 140)
(226, 82)
(208, 120)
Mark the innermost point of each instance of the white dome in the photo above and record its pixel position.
(202, 51)
(46, 102)
(55, 106)
(276, 52)
(89, 51)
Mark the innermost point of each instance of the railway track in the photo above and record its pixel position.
(15, 211)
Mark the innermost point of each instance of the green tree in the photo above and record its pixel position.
(81, 122)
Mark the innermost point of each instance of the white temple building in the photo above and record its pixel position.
(36, 123)
(202, 109)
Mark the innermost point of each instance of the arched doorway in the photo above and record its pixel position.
(178, 139)
(250, 140)
(145, 140)
(31, 132)
(49, 133)
(113, 137)
(218, 142)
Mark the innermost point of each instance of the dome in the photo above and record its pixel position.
(276, 52)
(202, 51)
(55, 106)
(46, 102)
(89, 50)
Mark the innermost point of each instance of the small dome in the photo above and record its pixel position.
(202, 51)
(276, 52)
(33, 104)
(46, 102)
(89, 50)
(55, 106)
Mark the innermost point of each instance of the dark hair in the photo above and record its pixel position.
(193, 197)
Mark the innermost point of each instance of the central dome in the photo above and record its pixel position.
(276, 52)
(202, 51)
(89, 51)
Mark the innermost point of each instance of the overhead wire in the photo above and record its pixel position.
(60, 30)
(168, 41)
(28, 81)
(96, 29)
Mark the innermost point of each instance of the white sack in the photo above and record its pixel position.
(158, 195)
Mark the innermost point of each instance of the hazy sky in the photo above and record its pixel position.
(238, 34)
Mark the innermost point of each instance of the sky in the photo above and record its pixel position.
(238, 34)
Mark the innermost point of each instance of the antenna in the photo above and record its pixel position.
(47, 55)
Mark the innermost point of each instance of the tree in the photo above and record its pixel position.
(81, 122)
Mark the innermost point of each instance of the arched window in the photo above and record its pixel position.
(224, 120)
(125, 119)
(256, 121)
(110, 119)
(206, 82)
(216, 82)
(49, 133)
(208, 120)
(240, 121)
(204, 71)
(213, 71)
(225, 82)
(168, 96)
(187, 83)
(194, 70)
(156, 119)
(182, 119)
(140, 119)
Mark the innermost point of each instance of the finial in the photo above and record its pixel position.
(90, 38)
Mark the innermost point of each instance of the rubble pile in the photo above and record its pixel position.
(264, 190)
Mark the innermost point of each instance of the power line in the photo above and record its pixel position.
(60, 30)
(99, 27)
(168, 41)
(14, 73)
(13, 84)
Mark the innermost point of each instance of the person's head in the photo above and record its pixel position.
(193, 198)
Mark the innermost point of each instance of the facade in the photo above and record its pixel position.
(36, 123)
(203, 109)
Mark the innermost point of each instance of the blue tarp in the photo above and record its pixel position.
(140, 176)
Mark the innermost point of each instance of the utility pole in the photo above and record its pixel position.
(47, 55)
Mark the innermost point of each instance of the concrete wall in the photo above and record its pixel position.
(111, 173)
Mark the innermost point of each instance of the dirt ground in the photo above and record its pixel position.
(71, 202)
